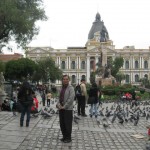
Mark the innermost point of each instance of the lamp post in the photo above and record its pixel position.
(48, 77)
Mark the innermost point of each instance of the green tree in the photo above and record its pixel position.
(2, 66)
(92, 77)
(18, 20)
(19, 69)
(116, 65)
(47, 70)
(120, 76)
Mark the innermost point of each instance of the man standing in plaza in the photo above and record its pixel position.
(82, 99)
(65, 107)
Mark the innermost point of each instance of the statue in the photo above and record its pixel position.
(108, 67)
(104, 35)
(100, 70)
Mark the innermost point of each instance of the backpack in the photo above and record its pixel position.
(78, 90)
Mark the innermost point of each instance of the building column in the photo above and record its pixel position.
(79, 63)
(67, 67)
(76, 62)
(88, 69)
(59, 63)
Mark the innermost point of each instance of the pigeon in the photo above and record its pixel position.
(75, 120)
(105, 125)
(98, 122)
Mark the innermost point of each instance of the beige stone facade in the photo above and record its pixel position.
(79, 62)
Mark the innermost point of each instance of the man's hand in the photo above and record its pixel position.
(59, 106)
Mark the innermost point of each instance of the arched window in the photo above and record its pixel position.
(73, 65)
(136, 78)
(83, 77)
(127, 79)
(136, 64)
(145, 64)
(146, 76)
(63, 65)
(127, 64)
(83, 65)
(73, 79)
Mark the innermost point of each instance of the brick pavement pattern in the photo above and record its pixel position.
(88, 134)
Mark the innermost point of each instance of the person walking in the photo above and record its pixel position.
(43, 97)
(94, 92)
(49, 96)
(65, 107)
(82, 99)
(26, 101)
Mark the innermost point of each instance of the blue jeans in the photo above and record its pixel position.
(25, 109)
(93, 109)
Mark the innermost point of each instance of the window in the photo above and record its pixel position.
(73, 79)
(127, 64)
(83, 65)
(127, 79)
(63, 65)
(83, 77)
(145, 64)
(146, 76)
(136, 64)
(136, 78)
(73, 65)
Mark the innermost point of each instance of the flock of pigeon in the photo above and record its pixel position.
(121, 112)
(109, 112)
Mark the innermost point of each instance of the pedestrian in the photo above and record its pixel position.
(35, 106)
(65, 107)
(26, 101)
(100, 98)
(82, 99)
(13, 102)
(148, 132)
(94, 92)
(43, 97)
(49, 96)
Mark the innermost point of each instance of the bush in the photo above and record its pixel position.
(142, 91)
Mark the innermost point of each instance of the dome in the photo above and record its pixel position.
(98, 26)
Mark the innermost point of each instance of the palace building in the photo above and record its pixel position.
(79, 62)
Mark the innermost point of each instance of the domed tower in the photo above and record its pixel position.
(98, 26)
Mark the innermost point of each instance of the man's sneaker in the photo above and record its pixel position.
(79, 114)
(67, 140)
(62, 139)
(84, 115)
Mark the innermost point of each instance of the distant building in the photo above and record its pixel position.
(79, 62)
(8, 57)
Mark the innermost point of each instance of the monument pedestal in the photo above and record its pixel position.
(105, 81)
(2, 96)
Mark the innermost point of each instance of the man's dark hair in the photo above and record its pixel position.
(65, 76)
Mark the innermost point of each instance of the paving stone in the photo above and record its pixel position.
(44, 134)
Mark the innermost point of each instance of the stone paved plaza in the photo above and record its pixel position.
(88, 134)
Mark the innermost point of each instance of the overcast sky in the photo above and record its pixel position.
(69, 22)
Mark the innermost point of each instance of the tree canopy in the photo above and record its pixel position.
(47, 70)
(18, 20)
(2, 66)
(19, 69)
(116, 65)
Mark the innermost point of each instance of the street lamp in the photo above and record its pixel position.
(48, 77)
